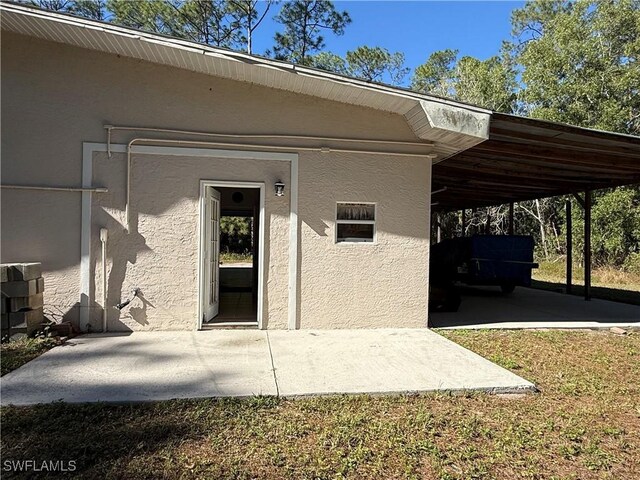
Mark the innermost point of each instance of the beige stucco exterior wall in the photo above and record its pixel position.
(160, 253)
(370, 285)
(56, 97)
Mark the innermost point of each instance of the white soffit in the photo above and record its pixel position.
(453, 126)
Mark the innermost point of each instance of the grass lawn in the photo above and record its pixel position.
(17, 353)
(230, 257)
(608, 283)
(585, 424)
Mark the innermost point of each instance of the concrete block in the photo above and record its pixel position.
(4, 272)
(29, 319)
(26, 303)
(64, 329)
(22, 288)
(18, 272)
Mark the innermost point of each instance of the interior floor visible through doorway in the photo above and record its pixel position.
(236, 306)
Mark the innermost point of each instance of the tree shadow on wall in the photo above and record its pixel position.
(123, 248)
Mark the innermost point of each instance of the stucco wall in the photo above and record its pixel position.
(373, 285)
(160, 253)
(56, 97)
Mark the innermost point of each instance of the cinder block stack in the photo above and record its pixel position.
(22, 298)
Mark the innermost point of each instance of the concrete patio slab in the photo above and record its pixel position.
(530, 308)
(319, 362)
(145, 366)
(220, 363)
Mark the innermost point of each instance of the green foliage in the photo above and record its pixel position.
(221, 23)
(374, 64)
(156, 16)
(16, 353)
(435, 75)
(303, 22)
(490, 83)
(632, 263)
(330, 62)
(579, 62)
(84, 8)
(235, 235)
(209, 22)
(616, 226)
(235, 225)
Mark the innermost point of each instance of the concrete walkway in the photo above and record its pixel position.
(530, 308)
(221, 363)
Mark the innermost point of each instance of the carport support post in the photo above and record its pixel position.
(587, 245)
(511, 218)
(438, 229)
(569, 246)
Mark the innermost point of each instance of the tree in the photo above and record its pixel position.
(210, 22)
(303, 22)
(156, 16)
(85, 8)
(436, 74)
(330, 62)
(489, 83)
(579, 66)
(375, 64)
(248, 16)
(579, 62)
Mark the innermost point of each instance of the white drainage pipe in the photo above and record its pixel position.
(104, 234)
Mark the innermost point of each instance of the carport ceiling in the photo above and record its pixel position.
(524, 159)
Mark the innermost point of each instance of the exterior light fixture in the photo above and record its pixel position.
(279, 186)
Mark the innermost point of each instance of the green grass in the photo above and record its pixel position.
(14, 354)
(608, 283)
(585, 424)
(230, 257)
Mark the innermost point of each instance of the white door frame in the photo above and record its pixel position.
(201, 244)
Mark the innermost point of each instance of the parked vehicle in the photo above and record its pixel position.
(501, 260)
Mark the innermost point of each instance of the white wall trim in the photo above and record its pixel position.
(293, 248)
(430, 197)
(85, 237)
(89, 148)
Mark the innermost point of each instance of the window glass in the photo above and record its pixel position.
(355, 222)
(359, 232)
(356, 211)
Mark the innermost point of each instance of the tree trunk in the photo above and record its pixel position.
(543, 236)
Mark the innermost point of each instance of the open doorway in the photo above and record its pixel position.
(231, 256)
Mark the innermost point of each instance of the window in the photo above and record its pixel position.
(355, 222)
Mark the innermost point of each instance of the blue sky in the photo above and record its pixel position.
(416, 28)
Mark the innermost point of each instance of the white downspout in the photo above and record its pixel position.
(104, 234)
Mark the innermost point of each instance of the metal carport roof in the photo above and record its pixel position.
(525, 158)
